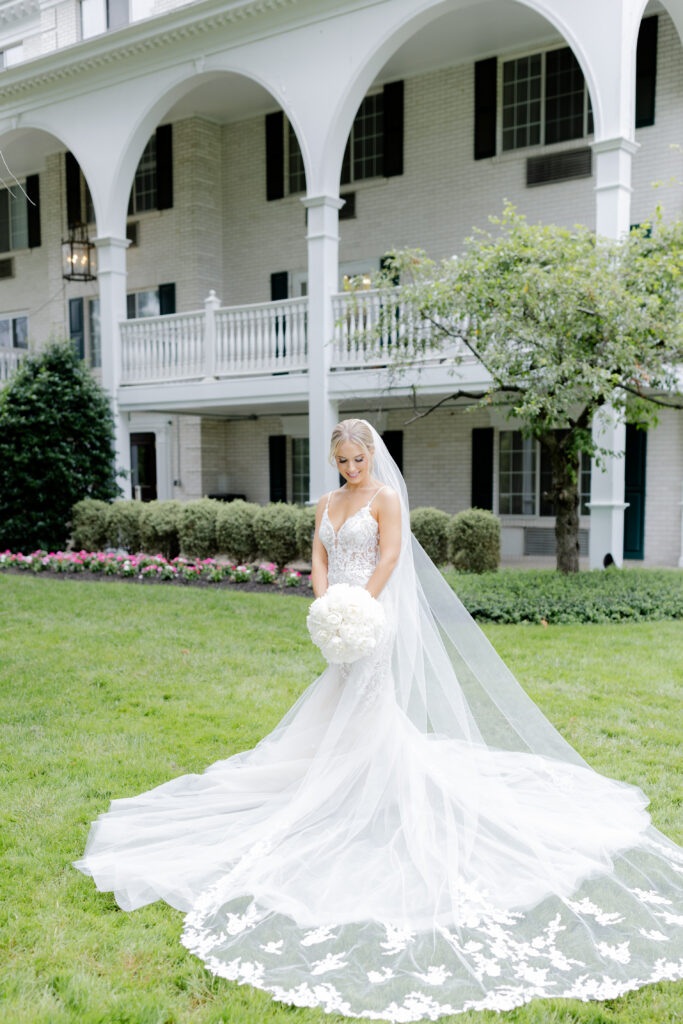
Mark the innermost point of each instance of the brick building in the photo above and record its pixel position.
(208, 147)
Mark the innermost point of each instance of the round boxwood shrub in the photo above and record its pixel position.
(197, 531)
(122, 525)
(235, 529)
(305, 528)
(89, 524)
(276, 534)
(430, 527)
(474, 541)
(159, 527)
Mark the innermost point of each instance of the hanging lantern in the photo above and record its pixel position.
(79, 259)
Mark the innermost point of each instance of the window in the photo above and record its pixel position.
(517, 474)
(11, 56)
(363, 157)
(13, 219)
(545, 100)
(100, 15)
(13, 332)
(143, 195)
(151, 302)
(296, 174)
(94, 334)
(525, 475)
(300, 480)
(142, 304)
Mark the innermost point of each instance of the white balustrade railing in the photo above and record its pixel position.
(162, 348)
(263, 338)
(371, 330)
(10, 358)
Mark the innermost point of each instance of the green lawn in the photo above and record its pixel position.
(108, 689)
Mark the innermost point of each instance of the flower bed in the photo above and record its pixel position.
(155, 568)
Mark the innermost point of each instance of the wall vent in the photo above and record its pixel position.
(7, 268)
(570, 163)
(348, 210)
(132, 232)
(540, 540)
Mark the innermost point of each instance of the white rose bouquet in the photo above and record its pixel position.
(346, 623)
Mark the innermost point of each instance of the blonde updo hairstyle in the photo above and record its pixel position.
(357, 432)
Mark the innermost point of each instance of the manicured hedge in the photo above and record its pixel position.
(474, 541)
(430, 527)
(612, 595)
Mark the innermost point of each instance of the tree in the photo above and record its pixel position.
(564, 324)
(56, 447)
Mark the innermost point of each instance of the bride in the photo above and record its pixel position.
(414, 838)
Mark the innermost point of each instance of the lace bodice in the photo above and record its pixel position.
(352, 550)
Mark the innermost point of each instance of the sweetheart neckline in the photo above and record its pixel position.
(348, 519)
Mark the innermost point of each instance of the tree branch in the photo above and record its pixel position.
(458, 394)
(649, 398)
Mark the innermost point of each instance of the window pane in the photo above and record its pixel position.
(564, 96)
(20, 331)
(521, 107)
(4, 221)
(14, 55)
(5, 333)
(18, 215)
(368, 138)
(145, 185)
(300, 482)
(585, 478)
(94, 332)
(297, 174)
(516, 474)
(147, 303)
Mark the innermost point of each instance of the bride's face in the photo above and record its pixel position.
(353, 463)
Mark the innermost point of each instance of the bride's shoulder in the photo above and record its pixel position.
(387, 498)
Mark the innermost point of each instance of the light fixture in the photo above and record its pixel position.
(79, 259)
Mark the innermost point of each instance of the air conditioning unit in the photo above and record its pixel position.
(132, 232)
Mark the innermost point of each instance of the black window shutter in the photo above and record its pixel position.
(275, 155)
(279, 286)
(76, 326)
(393, 129)
(482, 467)
(74, 207)
(646, 72)
(4, 221)
(164, 141)
(166, 299)
(393, 439)
(277, 463)
(33, 210)
(485, 89)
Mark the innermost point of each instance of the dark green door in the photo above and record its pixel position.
(634, 492)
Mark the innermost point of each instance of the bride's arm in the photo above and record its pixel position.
(389, 520)
(319, 569)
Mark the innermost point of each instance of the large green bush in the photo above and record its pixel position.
(305, 528)
(56, 447)
(474, 541)
(159, 528)
(235, 529)
(545, 595)
(430, 527)
(122, 525)
(89, 524)
(197, 532)
(275, 531)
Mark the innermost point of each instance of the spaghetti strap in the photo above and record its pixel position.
(375, 495)
(329, 495)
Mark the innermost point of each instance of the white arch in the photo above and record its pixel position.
(157, 98)
(402, 29)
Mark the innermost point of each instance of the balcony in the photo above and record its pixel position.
(268, 339)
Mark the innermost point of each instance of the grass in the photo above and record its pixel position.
(109, 690)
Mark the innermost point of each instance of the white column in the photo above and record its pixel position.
(613, 159)
(111, 277)
(211, 304)
(323, 274)
(607, 503)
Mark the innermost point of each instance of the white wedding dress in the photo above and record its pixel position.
(360, 862)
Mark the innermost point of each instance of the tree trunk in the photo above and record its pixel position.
(565, 497)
